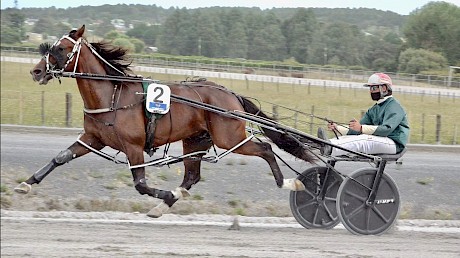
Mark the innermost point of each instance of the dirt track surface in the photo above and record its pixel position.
(428, 183)
(109, 234)
(428, 180)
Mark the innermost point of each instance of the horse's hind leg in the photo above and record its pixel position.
(193, 165)
(74, 151)
(264, 150)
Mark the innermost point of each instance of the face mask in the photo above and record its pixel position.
(375, 96)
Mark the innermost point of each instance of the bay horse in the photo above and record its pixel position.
(114, 116)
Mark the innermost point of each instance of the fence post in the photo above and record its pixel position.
(454, 141)
(309, 84)
(438, 129)
(295, 119)
(311, 118)
(275, 112)
(21, 107)
(68, 109)
(43, 108)
(423, 128)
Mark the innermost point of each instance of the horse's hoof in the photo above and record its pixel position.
(180, 193)
(158, 210)
(23, 188)
(293, 184)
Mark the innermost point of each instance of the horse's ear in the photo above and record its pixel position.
(80, 31)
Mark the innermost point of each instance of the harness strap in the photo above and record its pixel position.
(97, 111)
(150, 136)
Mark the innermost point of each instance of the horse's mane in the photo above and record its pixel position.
(116, 56)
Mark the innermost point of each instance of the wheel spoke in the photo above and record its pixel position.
(332, 199)
(315, 217)
(308, 203)
(352, 194)
(380, 214)
(330, 188)
(310, 193)
(368, 219)
(355, 211)
(329, 213)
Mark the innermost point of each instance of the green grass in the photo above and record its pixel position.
(25, 102)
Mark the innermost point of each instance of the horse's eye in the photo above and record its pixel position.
(60, 49)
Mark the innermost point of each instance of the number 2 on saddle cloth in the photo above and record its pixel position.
(157, 104)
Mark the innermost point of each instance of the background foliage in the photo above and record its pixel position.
(362, 37)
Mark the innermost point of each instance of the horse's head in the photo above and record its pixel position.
(58, 57)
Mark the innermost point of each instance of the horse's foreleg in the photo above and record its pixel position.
(168, 197)
(74, 151)
(191, 176)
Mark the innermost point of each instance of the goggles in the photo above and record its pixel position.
(374, 87)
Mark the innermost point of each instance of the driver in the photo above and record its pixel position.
(383, 129)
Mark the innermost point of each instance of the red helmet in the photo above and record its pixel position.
(379, 79)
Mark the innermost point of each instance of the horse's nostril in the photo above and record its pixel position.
(36, 71)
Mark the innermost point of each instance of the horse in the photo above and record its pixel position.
(114, 116)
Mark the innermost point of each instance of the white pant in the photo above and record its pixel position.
(369, 144)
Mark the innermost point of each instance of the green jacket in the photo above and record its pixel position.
(391, 119)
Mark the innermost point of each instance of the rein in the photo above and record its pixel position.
(58, 73)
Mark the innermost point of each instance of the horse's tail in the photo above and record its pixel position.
(284, 141)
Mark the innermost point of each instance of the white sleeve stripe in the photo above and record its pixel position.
(342, 130)
(368, 129)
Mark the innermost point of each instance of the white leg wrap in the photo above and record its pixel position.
(293, 184)
(23, 188)
(180, 193)
(158, 210)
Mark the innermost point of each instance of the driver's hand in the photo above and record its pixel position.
(355, 125)
(332, 126)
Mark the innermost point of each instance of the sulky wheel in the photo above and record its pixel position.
(311, 208)
(356, 214)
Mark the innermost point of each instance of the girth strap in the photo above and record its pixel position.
(150, 135)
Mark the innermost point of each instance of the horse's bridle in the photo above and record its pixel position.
(50, 68)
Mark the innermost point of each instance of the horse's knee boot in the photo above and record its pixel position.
(142, 188)
(63, 157)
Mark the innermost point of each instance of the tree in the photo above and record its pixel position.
(435, 27)
(113, 34)
(138, 44)
(61, 29)
(174, 36)
(124, 43)
(381, 54)
(235, 43)
(12, 28)
(337, 44)
(9, 35)
(299, 31)
(268, 42)
(44, 25)
(146, 33)
(416, 60)
(104, 27)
